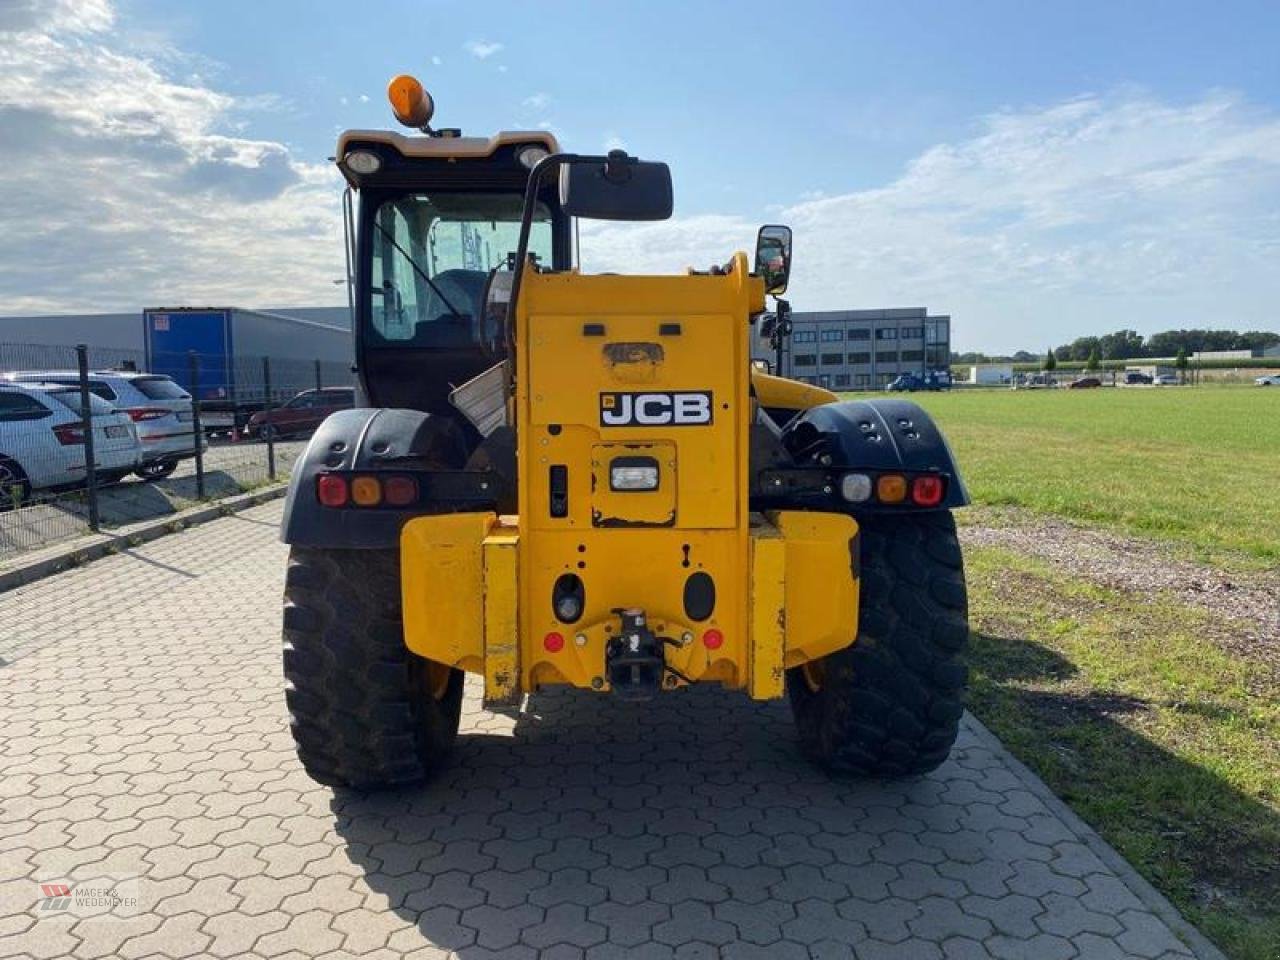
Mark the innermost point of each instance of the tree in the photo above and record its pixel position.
(1181, 361)
(1050, 361)
(1093, 362)
(1121, 345)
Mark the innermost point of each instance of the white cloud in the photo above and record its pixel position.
(536, 101)
(364, 98)
(67, 16)
(1084, 216)
(144, 192)
(482, 49)
(436, 61)
(613, 142)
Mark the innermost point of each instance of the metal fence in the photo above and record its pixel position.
(223, 425)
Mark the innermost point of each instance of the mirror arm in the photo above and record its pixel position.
(536, 176)
(522, 247)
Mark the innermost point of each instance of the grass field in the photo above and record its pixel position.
(1154, 720)
(1161, 736)
(1200, 466)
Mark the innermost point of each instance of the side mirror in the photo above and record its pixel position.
(618, 188)
(773, 257)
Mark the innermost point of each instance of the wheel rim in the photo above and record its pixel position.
(814, 672)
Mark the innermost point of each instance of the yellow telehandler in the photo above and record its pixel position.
(554, 478)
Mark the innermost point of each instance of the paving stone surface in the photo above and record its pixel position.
(144, 745)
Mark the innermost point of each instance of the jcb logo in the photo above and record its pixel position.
(685, 409)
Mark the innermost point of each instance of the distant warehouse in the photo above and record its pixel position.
(860, 349)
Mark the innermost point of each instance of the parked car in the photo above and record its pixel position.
(159, 407)
(42, 439)
(1035, 381)
(1135, 378)
(911, 382)
(1166, 380)
(300, 415)
(905, 383)
(1268, 380)
(1084, 383)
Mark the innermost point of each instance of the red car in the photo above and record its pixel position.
(300, 415)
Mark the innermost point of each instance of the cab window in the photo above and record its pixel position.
(432, 255)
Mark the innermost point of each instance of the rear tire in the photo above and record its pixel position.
(365, 711)
(15, 488)
(156, 469)
(890, 704)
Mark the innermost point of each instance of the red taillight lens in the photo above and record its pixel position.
(554, 642)
(399, 491)
(139, 414)
(332, 490)
(926, 491)
(713, 639)
(69, 434)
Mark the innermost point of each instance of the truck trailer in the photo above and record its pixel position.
(216, 354)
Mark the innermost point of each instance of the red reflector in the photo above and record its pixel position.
(399, 491)
(713, 639)
(926, 491)
(554, 642)
(332, 490)
(138, 414)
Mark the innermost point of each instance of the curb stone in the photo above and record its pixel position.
(77, 553)
(1152, 898)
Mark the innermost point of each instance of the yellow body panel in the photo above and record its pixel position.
(655, 368)
(787, 394)
(768, 611)
(822, 591)
(501, 614)
(803, 604)
(442, 581)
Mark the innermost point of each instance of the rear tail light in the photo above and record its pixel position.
(338, 490)
(891, 488)
(141, 414)
(926, 491)
(855, 487)
(366, 491)
(400, 491)
(332, 490)
(70, 434)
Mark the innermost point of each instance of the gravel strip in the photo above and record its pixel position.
(1249, 601)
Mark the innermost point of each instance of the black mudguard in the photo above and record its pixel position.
(879, 434)
(364, 439)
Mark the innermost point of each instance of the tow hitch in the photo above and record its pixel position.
(633, 660)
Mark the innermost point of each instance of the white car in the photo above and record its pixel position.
(159, 408)
(1165, 380)
(42, 440)
(1268, 380)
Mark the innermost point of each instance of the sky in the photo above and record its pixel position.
(1037, 171)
